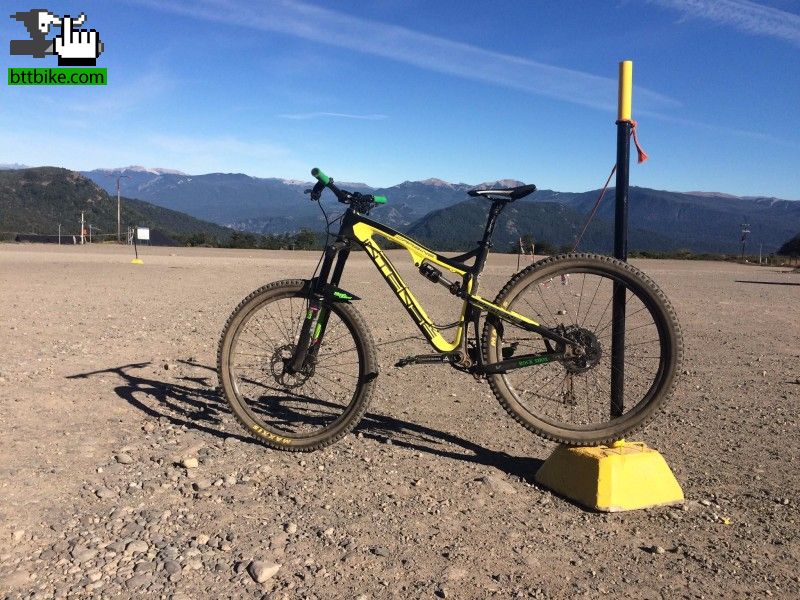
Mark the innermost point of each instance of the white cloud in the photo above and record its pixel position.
(224, 149)
(321, 115)
(429, 52)
(191, 154)
(743, 15)
(131, 94)
(222, 153)
(723, 129)
(112, 101)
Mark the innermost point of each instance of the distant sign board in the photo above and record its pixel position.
(143, 233)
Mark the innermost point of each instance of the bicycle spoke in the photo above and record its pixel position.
(564, 304)
(539, 289)
(599, 281)
(538, 314)
(580, 299)
(605, 310)
(329, 368)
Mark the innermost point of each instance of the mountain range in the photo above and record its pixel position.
(441, 214)
(37, 200)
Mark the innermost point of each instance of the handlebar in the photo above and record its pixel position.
(358, 200)
(321, 177)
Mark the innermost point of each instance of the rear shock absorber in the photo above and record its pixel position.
(433, 274)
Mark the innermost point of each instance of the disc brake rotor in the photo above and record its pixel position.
(587, 352)
(280, 358)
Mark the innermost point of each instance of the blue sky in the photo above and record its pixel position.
(387, 91)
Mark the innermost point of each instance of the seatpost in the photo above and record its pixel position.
(485, 243)
(494, 212)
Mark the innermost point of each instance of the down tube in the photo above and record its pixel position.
(408, 300)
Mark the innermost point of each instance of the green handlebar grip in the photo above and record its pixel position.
(321, 177)
(379, 199)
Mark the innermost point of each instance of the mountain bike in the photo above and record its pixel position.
(297, 362)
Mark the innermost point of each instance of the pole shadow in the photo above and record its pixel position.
(196, 403)
(766, 282)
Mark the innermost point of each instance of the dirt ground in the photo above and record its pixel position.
(107, 384)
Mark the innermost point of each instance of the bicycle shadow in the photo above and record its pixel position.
(201, 407)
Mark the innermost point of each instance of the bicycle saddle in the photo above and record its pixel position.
(508, 194)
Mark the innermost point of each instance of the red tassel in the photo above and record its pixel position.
(642, 155)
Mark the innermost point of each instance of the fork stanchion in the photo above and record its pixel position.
(623, 475)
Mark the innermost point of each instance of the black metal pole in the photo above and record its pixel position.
(620, 252)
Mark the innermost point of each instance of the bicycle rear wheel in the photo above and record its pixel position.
(295, 411)
(570, 400)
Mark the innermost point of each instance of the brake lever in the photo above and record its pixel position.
(316, 192)
(314, 195)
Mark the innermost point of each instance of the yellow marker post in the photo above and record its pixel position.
(624, 475)
(137, 260)
(625, 90)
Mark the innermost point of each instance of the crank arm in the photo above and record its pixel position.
(424, 359)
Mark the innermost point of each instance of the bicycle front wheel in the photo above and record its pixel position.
(299, 411)
(571, 400)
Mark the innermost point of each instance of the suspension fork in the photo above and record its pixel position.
(324, 311)
(316, 320)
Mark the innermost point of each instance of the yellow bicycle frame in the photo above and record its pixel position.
(364, 233)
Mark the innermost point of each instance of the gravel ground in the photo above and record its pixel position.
(124, 474)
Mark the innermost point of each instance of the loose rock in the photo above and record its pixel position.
(105, 493)
(137, 547)
(261, 570)
(171, 567)
(497, 485)
(123, 459)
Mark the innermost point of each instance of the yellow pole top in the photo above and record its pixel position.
(625, 90)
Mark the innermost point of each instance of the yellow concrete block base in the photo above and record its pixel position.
(623, 476)
(137, 261)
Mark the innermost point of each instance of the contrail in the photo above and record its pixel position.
(404, 45)
(319, 115)
(743, 15)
